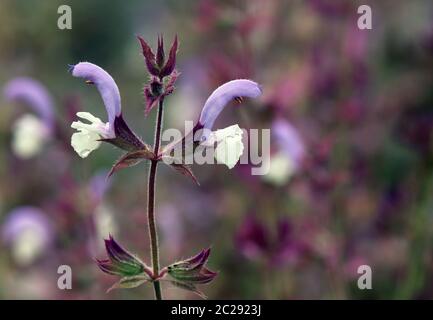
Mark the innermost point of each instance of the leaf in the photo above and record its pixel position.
(188, 287)
(131, 159)
(186, 171)
(129, 282)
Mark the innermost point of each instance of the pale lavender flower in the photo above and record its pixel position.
(115, 131)
(228, 140)
(106, 86)
(225, 93)
(28, 232)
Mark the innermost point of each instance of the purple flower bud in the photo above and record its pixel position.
(106, 87)
(152, 93)
(149, 57)
(171, 62)
(224, 94)
(120, 262)
(34, 94)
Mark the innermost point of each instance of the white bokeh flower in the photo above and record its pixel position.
(29, 136)
(288, 158)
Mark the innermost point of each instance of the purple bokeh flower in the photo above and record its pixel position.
(33, 94)
(28, 232)
(288, 155)
(30, 132)
(288, 140)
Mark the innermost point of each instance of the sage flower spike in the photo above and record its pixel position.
(115, 131)
(229, 140)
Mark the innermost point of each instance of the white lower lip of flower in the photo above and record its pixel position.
(229, 145)
(87, 138)
(29, 136)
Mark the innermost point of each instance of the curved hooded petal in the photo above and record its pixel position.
(224, 94)
(107, 88)
(34, 94)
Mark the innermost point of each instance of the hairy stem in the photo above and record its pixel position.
(154, 249)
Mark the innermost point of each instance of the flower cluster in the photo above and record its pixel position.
(132, 271)
(228, 141)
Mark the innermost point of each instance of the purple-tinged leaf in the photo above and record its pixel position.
(188, 287)
(186, 171)
(131, 159)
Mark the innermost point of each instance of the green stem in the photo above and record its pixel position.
(154, 249)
